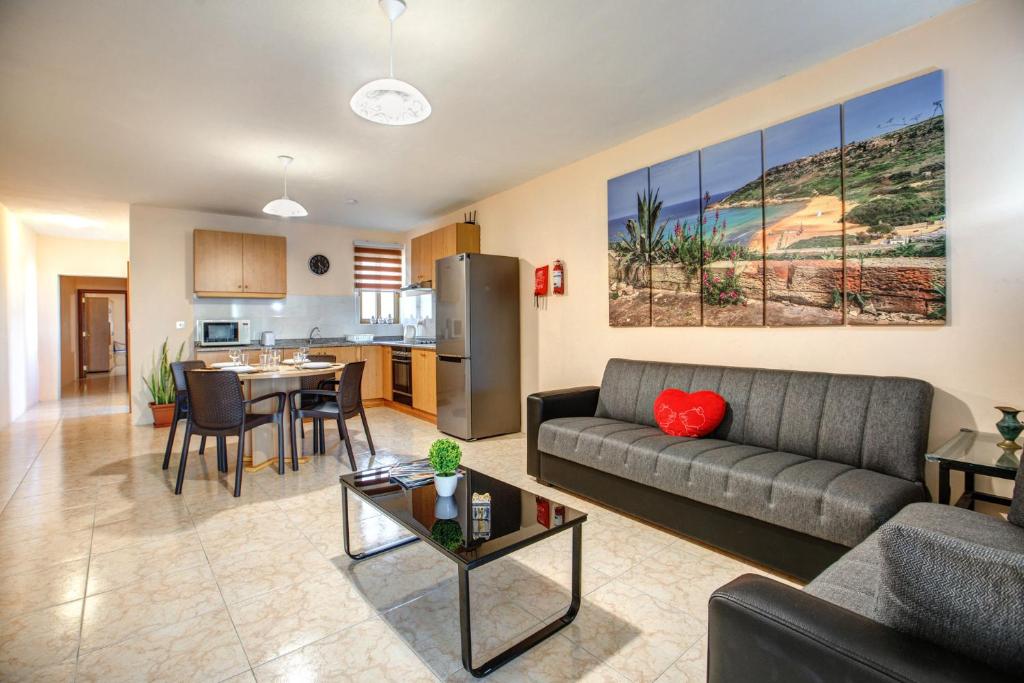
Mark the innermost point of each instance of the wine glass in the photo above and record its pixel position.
(275, 358)
(243, 358)
(233, 356)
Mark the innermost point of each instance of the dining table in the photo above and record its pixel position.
(261, 443)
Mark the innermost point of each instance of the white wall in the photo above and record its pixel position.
(19, 376)
(161, 282)
(974, 361)
(67, 256)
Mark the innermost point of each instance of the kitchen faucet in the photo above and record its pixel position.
(314, 331)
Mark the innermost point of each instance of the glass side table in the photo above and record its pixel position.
(974, 453)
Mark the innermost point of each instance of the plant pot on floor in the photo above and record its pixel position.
(163, 413)
(445, 485)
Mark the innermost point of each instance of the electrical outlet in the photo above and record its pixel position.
(180, 325)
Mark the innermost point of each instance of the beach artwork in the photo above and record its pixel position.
(633, 210)
(895, 175)
(803, 204)
(732, 233)
(676, 247)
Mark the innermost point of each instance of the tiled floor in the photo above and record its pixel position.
(110, 577)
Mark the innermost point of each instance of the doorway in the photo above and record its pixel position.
(95, 341)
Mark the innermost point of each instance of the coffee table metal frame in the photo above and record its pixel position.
(465, 621)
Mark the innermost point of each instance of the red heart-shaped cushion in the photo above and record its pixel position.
(681, 414)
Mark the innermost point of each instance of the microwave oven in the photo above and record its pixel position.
(223, 333)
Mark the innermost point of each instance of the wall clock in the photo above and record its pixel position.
(319, 264)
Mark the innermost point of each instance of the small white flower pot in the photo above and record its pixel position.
(445, 486)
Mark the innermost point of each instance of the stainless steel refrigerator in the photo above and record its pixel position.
(477, 345)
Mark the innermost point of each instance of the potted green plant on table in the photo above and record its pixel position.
(445, 456)
(160, 384)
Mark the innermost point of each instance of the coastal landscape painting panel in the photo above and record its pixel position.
(676, 247)
(895, 174)
(732, 230)
(630, 230)
(803, 232)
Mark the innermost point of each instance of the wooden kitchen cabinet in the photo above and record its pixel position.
(373, 372)
(424, 380)
(457, 238)
(235, 264)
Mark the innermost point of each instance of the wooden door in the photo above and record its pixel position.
(217, 262)
(467, 238)
(387, 380)
(424, 380)
(97, 335)
(420, 254)
(373, 373)
(438, 249)
(264, 265)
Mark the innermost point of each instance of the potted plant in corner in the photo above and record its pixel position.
(160, 384)
(445, 456)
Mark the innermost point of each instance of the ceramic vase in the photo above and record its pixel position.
(1009, 427)
(445, 486)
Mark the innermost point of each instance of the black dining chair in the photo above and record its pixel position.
(315, 382)
(218, 408)
(178, 370)
(345, 400)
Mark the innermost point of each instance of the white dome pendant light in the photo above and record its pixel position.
(388, 100)
(285, 207)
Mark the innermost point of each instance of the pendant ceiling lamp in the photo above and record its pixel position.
(285, 207)
(390, 101)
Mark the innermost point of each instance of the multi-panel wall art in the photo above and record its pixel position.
(836, 216)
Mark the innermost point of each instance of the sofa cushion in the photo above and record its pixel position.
(1017, 504)
(964, 594)
(875, 423)
(825, 499)
(852, 582)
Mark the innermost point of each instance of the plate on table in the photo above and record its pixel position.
(288, 361)
(316, 365)
(225, 364)
(240, 368)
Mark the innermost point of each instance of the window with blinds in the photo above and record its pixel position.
(378, 266)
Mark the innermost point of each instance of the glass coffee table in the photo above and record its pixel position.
(485, 520)
(974, 453)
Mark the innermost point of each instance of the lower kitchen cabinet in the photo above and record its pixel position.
(373, 373)
(424, 380)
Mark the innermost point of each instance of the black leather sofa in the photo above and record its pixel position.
(804, 466)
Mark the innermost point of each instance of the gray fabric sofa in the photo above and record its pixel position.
(805, 465)
(935, 594)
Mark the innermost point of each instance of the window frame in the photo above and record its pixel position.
(375, 293)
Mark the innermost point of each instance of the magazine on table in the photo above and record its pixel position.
(415, 474)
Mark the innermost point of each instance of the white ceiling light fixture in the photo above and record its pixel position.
(285, 207)
(390, 101)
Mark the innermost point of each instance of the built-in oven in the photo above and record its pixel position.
(401, 374)
(223, 333)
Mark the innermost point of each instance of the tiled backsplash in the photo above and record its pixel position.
(294, 316)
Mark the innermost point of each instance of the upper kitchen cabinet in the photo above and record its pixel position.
(457, 238)
(235, 264)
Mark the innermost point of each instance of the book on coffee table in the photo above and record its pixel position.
(417, 473)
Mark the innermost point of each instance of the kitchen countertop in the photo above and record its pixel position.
(318, 343)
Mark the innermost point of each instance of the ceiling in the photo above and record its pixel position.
(187, 103)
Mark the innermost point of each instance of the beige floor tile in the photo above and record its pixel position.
(127, 532)
(691, 667)
(398, 576)
(276, 623)
(370, 532)
(369, 651)
(43, 551)
(636, 635)
(136, 562)
(261, 570)
(17, 529)
(44, 587)
(39, 639)
(201, 649)
(556, 660)
(431, 626)
(159, 600)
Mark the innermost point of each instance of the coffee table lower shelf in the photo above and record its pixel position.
(465, 618)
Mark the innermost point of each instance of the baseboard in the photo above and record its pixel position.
(400, 407)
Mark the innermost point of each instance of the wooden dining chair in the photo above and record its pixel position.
(340, 403)
(218, 408)
(314, 382)
(178, 370)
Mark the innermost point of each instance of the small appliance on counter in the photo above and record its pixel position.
(408, 333)
(223, 333)
(267, 339)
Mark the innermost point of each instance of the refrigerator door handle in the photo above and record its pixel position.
(452, 359)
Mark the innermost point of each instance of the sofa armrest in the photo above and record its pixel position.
(763, 630)
(547, 405)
